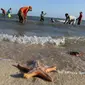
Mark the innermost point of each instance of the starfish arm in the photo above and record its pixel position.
(22, 68)
(50, 69)
(44, 75)
(39, 73)
(36, 63)
(29, 75)
(45, 68)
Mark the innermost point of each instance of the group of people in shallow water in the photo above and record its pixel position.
(8, 13)
(72, 19)
(22, 14)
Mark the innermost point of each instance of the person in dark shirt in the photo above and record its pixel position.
(42, 16)
(67, 20)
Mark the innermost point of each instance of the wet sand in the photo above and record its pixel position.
(12, 53)
(55, 55)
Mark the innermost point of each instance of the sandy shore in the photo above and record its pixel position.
(55, 55)
(49, 55)
(10, 75)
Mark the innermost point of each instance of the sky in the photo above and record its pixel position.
(53, 8)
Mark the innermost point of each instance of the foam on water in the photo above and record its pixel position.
(76, 38)
(61, 21)
(32, 39)
(39, 40)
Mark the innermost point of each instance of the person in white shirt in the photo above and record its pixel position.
(70, 19)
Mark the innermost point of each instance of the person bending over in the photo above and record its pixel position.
(70, 19)
(22, 13)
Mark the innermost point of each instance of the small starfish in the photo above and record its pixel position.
(38, 69)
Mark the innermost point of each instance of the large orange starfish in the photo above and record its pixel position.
(37, 69)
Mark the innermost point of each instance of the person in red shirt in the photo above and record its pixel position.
(79, 18)
(22, 13)
(3, 12)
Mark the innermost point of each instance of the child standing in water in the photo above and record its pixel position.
(79, 18)
(9, 12)
(42, 16)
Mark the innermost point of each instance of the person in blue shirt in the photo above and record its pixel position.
(9, 12)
